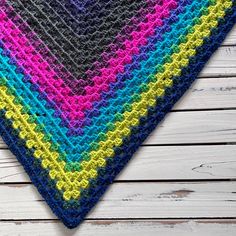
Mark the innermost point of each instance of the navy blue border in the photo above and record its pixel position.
(73, 213)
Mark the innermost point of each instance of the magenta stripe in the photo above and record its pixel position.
(37, 43)
(36, 66)
(123, 35)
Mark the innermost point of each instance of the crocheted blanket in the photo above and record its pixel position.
(83, 83)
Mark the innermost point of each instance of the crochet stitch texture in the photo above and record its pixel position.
(83, 83)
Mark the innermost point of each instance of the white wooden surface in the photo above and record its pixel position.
(182, 181)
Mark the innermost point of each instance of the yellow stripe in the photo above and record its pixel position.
(72, 182)
(34, 139)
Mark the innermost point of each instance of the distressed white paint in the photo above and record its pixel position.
(222, 63)
(193, 127)
(133, 200)
(210, 93)
(155, 163)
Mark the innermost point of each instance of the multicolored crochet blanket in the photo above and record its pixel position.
(83, 83)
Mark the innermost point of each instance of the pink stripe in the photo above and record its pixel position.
(57, 90)
(131, 47)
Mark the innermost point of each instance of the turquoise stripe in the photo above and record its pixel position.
(30, 99)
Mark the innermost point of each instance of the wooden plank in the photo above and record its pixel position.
(155, 163)
(182, 162)
(209, 94)
(222, 63)
(230, 40)
(123, 227)
(193, 127)
(132, 200)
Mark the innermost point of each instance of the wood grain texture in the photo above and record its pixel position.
(221, 64)
(155, 163)
(195, 127)
(123, 228)
(192, 127)
(132, 200)
(207, 93)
